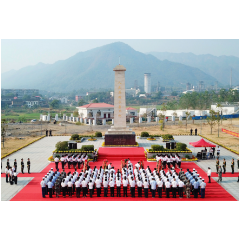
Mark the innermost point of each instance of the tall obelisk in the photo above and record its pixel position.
(119, 134)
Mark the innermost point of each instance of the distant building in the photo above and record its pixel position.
(96, 110)
(78, 97)
(188, 86)
(147, 83)
(32, 102)
(17, 103)
(131, 112)
(189, 91)
(63, 100)
(226, 108)
(20, 92)
(132, 92)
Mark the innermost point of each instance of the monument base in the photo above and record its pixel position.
(120, 139)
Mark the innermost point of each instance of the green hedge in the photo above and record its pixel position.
(75, 137)
(87, 148)
(181, 147)
(157, 148)
(62, 146)
(98, 134)
(167, 136)
(144, 134)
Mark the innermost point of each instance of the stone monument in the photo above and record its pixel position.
(119, 134)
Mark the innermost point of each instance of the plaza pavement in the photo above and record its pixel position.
(40, 151)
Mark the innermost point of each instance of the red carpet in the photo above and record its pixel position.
(118, 154)
(227, 174)
(32, 192)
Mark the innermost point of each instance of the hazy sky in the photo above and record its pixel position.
(16, 54)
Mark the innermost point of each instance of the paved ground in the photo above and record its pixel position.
(231, 185)
(9, 191)
(41, 150)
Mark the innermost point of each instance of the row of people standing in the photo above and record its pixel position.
(11, 175)
(224, 165)
(8, 164)
(71, 160)
(49, 133)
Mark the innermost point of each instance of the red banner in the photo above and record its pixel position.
(230, 132)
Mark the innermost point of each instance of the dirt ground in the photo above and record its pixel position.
(14, 143)
(31, 131)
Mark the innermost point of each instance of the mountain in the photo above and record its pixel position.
(94, 68)
(217, 67)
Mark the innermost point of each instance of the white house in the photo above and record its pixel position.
(64, 100)
(149, 111)
(30, 103)
(226, 108)
(96, 110)
(131, 112)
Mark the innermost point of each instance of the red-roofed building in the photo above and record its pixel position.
(96, 110)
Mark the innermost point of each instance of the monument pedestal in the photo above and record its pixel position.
(120, 139)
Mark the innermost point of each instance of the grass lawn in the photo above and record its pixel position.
(28, 116)
(12, 144)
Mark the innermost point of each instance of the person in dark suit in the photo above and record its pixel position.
(46, 132)
(8, 163)
(28, 165)
(15, 164)
(232, 166)
(22, 165)
(50, 133)
(224, 166)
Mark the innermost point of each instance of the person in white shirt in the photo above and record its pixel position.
(160, 185)
(167, 185)
(6, 172)
(84, 187)
(132, 185)
(62, 159)
(56, 160)
(146, 187)
(180, 188)
(98, 186)
(78, 187)
(63, 185)
(70, 186)
(15, 177)
(118, 184)
(43, 185)
(125, 184)
(137, 165)
(10, 173)
(90, 185)
(209, 172)
(139, 184)
(111, 185)
(153, 187)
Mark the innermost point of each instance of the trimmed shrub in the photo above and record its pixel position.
(181, 147)
(167, 136)
(187, 156)
(62, 146)
(87, 148)
(157, 147)
(89, 156)
(75, 137)
(144, 134)
(98, 134)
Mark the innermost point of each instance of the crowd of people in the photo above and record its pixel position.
(11, 171)
(128, 177)
(72, 160)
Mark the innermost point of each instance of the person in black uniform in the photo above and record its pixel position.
(46, 132)
(224, 166)
(15, 164)
(217, 165)
(50, 133)
(196, 131)
(191, 132)
(28, 165)
(8, 164)
(213, 148)
(232, 166)
(22, 165)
